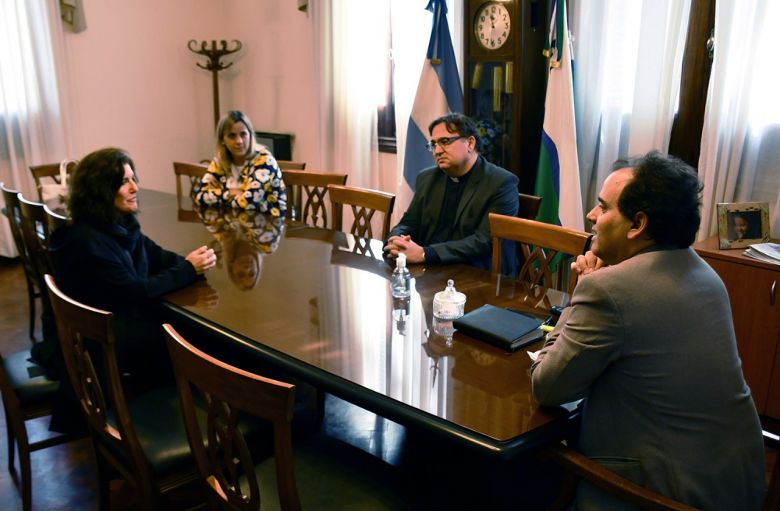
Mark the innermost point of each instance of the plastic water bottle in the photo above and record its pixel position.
(399, 282)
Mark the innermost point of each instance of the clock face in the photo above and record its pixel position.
(492, 25)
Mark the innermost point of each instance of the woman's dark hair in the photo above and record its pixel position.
(457, 123)
(94, 184)
(668, 191)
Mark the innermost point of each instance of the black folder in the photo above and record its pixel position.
(504, 328)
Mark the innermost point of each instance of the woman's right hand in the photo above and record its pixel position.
(202, 259)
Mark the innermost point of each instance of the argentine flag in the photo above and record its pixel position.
(438, 93)
(558, 176)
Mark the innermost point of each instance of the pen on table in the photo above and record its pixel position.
(546, 328)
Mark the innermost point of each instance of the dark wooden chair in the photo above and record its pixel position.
(141, 438)
(49, 172)
(331, 475)
(310, 209)
(27, 394)
(11, 210)
(529, 206)
(291, 165)
(364, 204)
(577, 466)
(36, 233)
(54, 220)
(540, 243)
(191, 172)
(772, 499)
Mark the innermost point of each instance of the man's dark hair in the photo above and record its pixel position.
(457, 123)
(94, 184)
(668, 191)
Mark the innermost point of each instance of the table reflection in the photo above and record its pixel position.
(244, 238)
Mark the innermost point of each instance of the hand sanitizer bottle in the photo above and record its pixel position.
(399, 282)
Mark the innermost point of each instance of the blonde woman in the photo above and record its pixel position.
(243, 174)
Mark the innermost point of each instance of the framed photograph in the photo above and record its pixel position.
(741, 224)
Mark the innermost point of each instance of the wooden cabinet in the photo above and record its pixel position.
(505, 84)
(754, 292)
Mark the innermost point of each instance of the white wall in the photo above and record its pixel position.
(134, 84)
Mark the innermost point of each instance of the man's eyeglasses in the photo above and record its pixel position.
(442, 142)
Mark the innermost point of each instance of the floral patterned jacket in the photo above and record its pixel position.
(260, 183)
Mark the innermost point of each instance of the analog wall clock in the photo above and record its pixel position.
(491, 50)
(504, 80)
(492, 25)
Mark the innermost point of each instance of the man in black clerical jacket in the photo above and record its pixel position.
(447, 220)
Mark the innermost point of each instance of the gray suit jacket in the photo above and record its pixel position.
(489, 188)
(649, 343)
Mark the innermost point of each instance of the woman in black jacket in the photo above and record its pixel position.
(101, 258)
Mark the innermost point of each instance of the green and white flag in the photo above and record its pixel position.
(558, 175)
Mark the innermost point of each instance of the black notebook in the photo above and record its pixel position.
(507, 329)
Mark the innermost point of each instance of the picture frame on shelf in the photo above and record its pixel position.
(741, 224)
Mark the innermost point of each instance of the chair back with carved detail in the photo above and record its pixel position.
(540, 244)
(364, 204)
(87, 341)
(306, 195)
(226, 464)
(232, 396)
(291, 165)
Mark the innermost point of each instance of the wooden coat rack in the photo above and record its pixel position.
(214, 64)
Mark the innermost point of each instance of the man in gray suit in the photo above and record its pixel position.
(648, 342)
(447, 220)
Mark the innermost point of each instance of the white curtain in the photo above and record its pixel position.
(31, 125)
(353, 67)
(741, 136)
(627, 63)
(352, 74)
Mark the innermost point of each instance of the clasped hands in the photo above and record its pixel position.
(403, 243)
(586, 264)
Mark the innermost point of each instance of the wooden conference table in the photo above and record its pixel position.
(317, 304)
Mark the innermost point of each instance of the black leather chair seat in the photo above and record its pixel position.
(27, 378)
(159, 426)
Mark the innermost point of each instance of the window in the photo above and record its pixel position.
(386, 111)
(386, 115)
